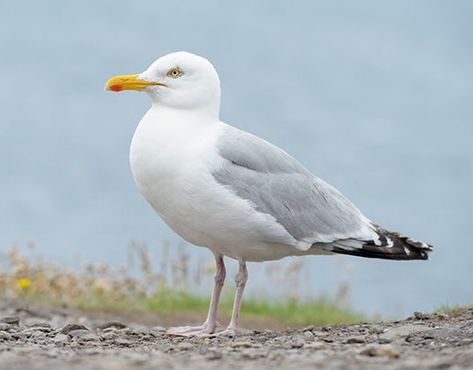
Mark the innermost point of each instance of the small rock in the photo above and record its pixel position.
(71, 327)
(5, 327)
(112, 324)
(309, 328)
(38, 336)
(89, 337)
(242, 344)
(61, 338)
(297, 342)
(421, 316)
(110, 330)
(39, 324)
(376, 329)
(402, 331)
(380, 351)
(78, 333)
(4, 336)
(147, 337)
(184, 346)
(245, 332)
(308, 335)
(12, 320)
(355, 340)
(122, 342)
(158, 329)
(33, 329)
(109, 336)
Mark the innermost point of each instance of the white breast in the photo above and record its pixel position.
(172, 161)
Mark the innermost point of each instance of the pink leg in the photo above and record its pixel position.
(240, 280)
(208, 327)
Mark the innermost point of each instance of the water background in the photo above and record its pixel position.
(374, 97)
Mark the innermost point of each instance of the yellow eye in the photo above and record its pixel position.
(175, 73)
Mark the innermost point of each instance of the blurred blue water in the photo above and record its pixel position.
(374, 97)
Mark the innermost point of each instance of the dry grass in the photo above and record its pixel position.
(139, 287)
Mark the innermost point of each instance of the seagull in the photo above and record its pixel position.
(232, 192)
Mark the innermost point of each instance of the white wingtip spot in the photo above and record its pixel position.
(303, 246)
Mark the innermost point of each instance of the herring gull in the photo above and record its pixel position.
(230, 191)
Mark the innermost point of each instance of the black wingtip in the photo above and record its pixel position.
(390, 245)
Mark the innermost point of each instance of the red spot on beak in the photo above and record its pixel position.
(116, 87)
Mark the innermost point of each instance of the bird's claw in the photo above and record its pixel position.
(191, 331)
(228, 333)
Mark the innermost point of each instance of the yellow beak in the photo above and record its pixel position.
(129, 82)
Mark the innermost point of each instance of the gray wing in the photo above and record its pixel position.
(307, 207)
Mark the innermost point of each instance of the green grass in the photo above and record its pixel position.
(291, 313)
(167, 290)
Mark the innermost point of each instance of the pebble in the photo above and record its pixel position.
(242, 344)
(61, 339)
(71, 327)
(384, 340)
(402, 331)
(77, 333)
(109, 336)
(89, 337)
(112, 324)
(122, 342)
(12, 320)
(355, 340)
(308, 335)
(159, 329)
(5, 327)
(421, 316)
(440, 344)
(184, 346)
(36, 329)
(37, 335)
(4, 336)
(39, 324)
(297, 342)
(380, 351)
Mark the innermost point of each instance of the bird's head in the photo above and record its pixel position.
(178, 80)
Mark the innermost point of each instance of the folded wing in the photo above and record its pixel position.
(311, 210)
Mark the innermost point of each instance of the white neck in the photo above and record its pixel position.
(206, 113)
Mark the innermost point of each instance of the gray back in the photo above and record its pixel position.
(307, 207)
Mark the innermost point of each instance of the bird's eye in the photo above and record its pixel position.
(175, 73)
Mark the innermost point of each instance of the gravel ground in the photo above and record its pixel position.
(47, 338)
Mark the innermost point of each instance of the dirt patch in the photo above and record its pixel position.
(46, 338)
